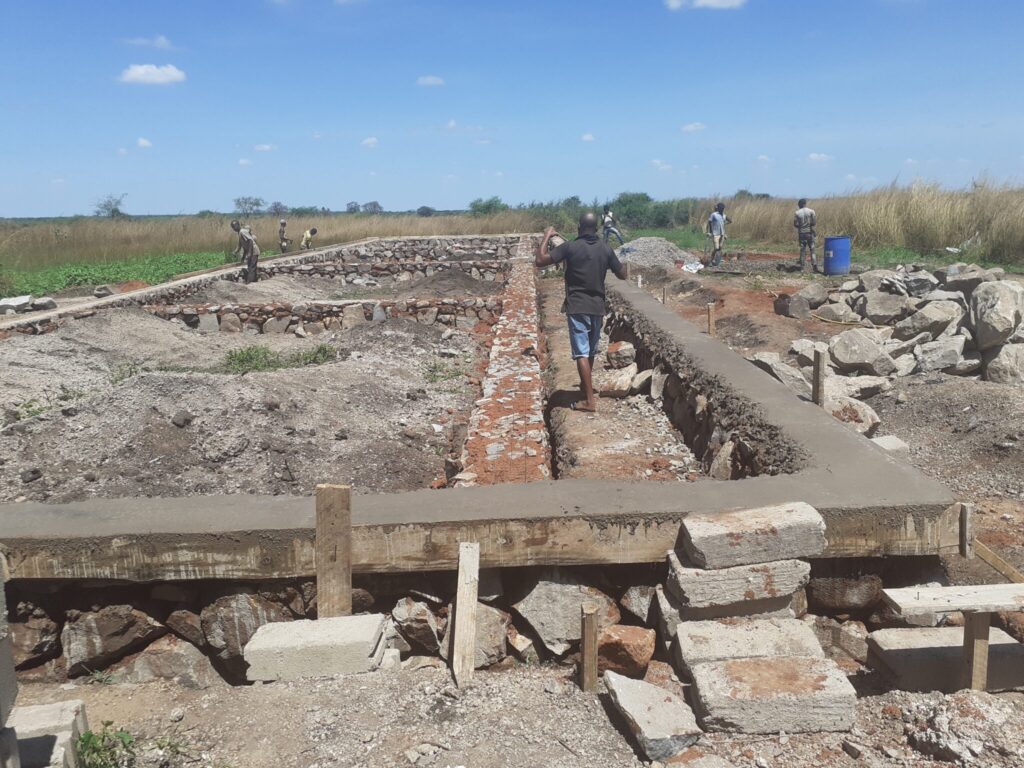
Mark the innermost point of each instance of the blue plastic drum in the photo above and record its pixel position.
(837, 255)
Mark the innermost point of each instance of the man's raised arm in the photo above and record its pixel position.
(543, 258)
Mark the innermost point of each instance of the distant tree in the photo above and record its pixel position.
(276, 208)
(249, 206)
(373, 207)
(352, 207)
(305, 210)
(746, 194)
(324, 209)
(206, 213)
(481, 207)
(110, 206)
(425, 210)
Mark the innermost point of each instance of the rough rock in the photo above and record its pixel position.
(920, 283)
(750, 536)
(897, 347)
(552, 609)
(16, 304)
(772, 363)
(857, 387)
(941, 295)
(722, 466)
(1007, 365)
(837, 313)
(794, 306)
(522, 647)
(418, 624)
(857, 350)
(187, 624)
(34, 638)
(858, 416)
(492, 630)
(661, 722)
(804, 350)
(699, 588)
(625, 649)
(932, 318)
(641, 383)
(93, 639)
(620, 354)
(342, 645)
(662, 674)
(847, 638)
(872, 279)
(997, 309)
(815, 293)
(169, 658)
(44, 303)
(102, 291)
(277, 324)
(967, 281)
(768, 695)
(230, 622)
(970, 363)
(699, 642)
(230, 323)
(637, 601)
(618, 382)
(939, 355)
(905, 365)
(883, 308)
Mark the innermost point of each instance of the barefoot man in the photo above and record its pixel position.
(587, 259)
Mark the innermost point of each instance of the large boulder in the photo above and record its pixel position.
(1006, 365)
(804, 350)
(857, 387)
(968, 281)
(626, 650)
(940, 355)
(792, 305)
(620, 354)
(93, 639)
(858, 416)
(815, 293)
(418, 624)
(857, 350)
(933, 318)
(941, 295)
(920, 283)
(872, 279)
(772, 363)
(897, 348)
(837, 313)
(492, 631)
(997, 309)
(15, 304)
(883, 308)
(552, 609)
(169, 658)
(230, 622)
(35, 636)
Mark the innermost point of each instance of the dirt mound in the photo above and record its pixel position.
(449, 282)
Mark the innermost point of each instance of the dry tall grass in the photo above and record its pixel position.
(34, 245)
(924, 217)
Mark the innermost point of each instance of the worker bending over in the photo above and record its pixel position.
(248, 249)
(283, 238)
(307, 239)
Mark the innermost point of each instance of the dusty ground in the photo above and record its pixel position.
(511, 719)
(94, 404)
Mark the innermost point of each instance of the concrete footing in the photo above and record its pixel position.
(698, 588)
(931, 658)
(661, 722)
(48, 733)
(296, 649)
(799, 694)
(699, 642)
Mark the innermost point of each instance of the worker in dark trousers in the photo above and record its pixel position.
(248, 249)
(805, 221)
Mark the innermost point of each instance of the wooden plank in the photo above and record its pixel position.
(711, 319)
(967, 530)
(464, 641)
(976, 626)
(818, 378)
(914, 601)
(998, 563)
(333, 551)
(588, 647)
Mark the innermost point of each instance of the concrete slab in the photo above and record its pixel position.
(799, 694)
(989, 598)
(698, 642)
(9, 755)
(893, 445)
(749, 536)
(294, 650)
(698, 588)
(662, 723)
(47, 733)
(931, 658)
(668, 614)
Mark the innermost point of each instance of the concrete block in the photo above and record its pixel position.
(798, 694)
(669, 614)
(931, 658)
(296, 649)
(749, 536)
(698, 642)
(661, 722)
(47, 733)
(892, 444)
(9, 755)
(698, 588)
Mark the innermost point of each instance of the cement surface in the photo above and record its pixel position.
(293, 650)
(698, 642)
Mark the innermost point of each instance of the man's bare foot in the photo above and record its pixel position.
(584, 406)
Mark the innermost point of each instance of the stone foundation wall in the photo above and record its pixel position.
(493, 270)
(316, 317)
(399, 249)
(726, 431)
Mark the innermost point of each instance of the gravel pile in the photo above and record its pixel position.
(653, 252)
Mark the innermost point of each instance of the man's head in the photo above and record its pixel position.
(283, 222)
(312, 231)
(720, 207)
(235, 225)
(606, 209)
(802, 202)
(588, 224)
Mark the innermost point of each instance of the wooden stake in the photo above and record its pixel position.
(1008, 571)
(711, 318)
(818, 382)
(664, 295)
(966, 531)
(588, 647)
(463, 645)
(333, 551)
(975, 669)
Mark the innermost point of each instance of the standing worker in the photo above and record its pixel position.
(248, 249)
(307, 239)
(805, 221)
(283, 238)
(587, 260)
(716, 231)
(611, 226)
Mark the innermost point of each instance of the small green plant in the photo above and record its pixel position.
(261, 358)
(100, 677)
(110, 748)
(124, 371)
(441, 370)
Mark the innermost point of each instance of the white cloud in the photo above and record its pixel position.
(658, 165)
(264, 148)
(764, 159)
(317, 135)
(370, 142)
(452, 125)
(122, 151)
(159, 41)
(693, 127)
(819, 157)
(151, 74)
(482, 141)
(244, 161)
(588, 137)
(718, 5)
(143, 143)
(429, 81)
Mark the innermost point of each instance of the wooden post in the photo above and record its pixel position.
(999, 564)
(463, 646)
(975, 670)
(966, 531)
(664, 295)
(818, 382)
(711, 318)
(588, 647)
(333, 551)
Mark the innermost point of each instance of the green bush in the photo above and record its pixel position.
(110, 748)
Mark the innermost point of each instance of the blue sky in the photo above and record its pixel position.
(186, 105)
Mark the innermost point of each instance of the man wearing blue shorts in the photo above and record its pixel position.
(587, 259)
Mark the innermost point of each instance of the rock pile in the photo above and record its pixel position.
(961, 320)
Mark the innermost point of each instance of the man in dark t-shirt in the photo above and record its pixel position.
(586, 260)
